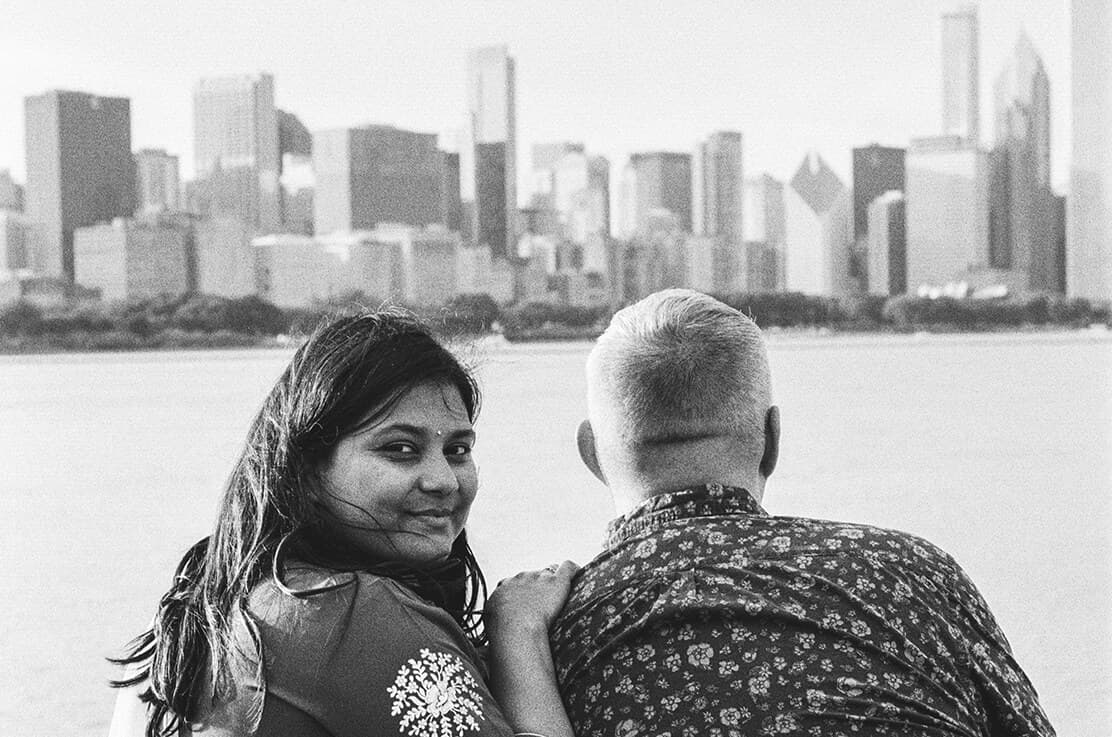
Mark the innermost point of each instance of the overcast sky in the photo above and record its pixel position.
(791, 75)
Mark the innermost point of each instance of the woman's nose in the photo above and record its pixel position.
(437, 476)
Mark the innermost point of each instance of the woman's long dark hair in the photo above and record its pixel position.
(349, 366)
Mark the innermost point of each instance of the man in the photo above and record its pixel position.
(706, 616)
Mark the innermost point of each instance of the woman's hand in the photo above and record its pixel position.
(523, 680)
(529, 601)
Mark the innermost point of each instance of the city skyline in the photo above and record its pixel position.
(609, 78)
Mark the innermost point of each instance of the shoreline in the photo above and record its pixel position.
(209, 342)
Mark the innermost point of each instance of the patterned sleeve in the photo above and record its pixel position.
(372, 658)
(1010, 702)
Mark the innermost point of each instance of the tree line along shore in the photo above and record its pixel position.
(203, 321)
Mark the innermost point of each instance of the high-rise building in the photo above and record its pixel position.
(718, 204)
(546, 157)
(296, 178)
(876, 170)
(658, 180)
(237, 159)
(15, 242)
(1089, 220)
(418, 266)
(11, 194)
(488, 163)
(627, 201)
(1058, 241)
(1020, 227)
(226, 260)
(157, 182)
(580, 196)
(293, 137)
(135, 258)
(819, 240)
(79, 170)
(375, 174)
(887, 244)
(960, 74)
(764, 231)
(451, 214)
(480, 273)
(946, 212)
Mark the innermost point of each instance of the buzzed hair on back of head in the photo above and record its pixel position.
(680, 365)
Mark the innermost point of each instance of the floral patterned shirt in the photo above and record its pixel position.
(706, 616)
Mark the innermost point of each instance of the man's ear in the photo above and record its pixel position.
(585, 440)
(772, 441)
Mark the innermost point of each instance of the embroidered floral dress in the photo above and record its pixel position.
(706, 616)
(360, 656)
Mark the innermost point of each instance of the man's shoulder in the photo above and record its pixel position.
(776, 536)
(838, 536)
(777, 544)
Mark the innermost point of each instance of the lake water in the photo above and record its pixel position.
(996, 447)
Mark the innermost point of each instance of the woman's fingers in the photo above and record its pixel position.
(531, 597)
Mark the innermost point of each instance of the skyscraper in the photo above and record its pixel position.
(887, 249)
(876, 170)
(1089, 221)
(581, 195)
(819, 240)
(79, 170)
(11, 194)
(1020, 227)
(375, 174)
(546, 156)
(295, 173)
(488, 164)
(946, 211)
(764, 232)
(450, 208)
(718, 206)
(157, 182)
(658, 180)
(627, 201)
(960, 74)
(236, 150)
(580, 198)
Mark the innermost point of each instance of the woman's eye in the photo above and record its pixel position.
(401, 448)
(458, 451)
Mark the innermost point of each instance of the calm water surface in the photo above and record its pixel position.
(995, 447)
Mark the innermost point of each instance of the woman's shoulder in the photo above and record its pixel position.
(305, 586)
(319, 609)
(356, 649)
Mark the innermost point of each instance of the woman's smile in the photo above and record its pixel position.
(401, 486)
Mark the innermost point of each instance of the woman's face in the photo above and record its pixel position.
(401, 487)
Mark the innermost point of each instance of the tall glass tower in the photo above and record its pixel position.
(960, 70)
(488, 164)
(1020, 222)
(236, 151)
(1089, 238)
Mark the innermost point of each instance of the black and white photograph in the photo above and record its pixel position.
(494, 368)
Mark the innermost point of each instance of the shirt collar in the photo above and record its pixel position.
(698, 501)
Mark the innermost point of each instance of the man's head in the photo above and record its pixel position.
(678, 394)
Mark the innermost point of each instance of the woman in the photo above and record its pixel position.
(337, 594)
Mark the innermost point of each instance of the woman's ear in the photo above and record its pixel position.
(585, 441)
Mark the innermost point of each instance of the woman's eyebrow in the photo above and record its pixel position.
(421, 431)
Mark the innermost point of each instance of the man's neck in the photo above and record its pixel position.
(627, 496)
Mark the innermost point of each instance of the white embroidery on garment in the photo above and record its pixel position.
(436, 697)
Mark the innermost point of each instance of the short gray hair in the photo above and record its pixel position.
(680, 365)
